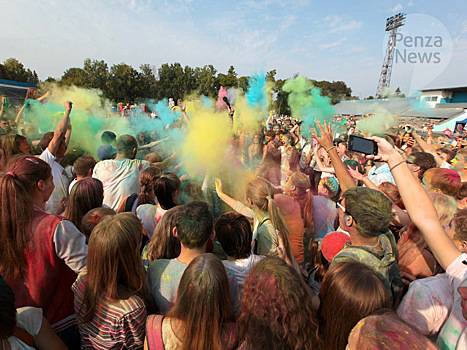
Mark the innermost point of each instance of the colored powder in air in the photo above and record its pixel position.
(232, 94)
(207, 139)
(221, 105)
(380, 122)
(89, 116)
(257, 92)
(307, 103)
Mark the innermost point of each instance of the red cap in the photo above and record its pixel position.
(333, 243)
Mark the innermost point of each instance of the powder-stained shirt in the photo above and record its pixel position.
(241, 267)
(427, 304)
(164, 276)
(116, 325)
(61, 182)
(120, 178)
(453, 335)
(380, 175)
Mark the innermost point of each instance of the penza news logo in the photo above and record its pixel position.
(418, 49)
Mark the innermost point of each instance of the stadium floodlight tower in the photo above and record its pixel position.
(392, 24)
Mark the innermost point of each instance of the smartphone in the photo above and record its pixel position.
(362, 145)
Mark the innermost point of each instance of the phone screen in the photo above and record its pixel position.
(362, 145)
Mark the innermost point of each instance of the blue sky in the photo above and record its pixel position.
(334, 40)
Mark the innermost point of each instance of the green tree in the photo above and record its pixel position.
(228, 80)
(243, 83)
(15, 70)
(280, 102)
(74, 76)
(271, 75)
(206, 81)
(123, 84)
(148, 81)
(171, 81)
(97, 74)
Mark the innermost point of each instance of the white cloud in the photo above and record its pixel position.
(340, 24)
(287, 22)
(334, 44)
(397, 8)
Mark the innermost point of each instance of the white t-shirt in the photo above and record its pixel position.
(61, 182)
(453, 335)
(120, 178)
(150, 215)
(29, 319)
(241, 268)
(72, 183)
(427, 304)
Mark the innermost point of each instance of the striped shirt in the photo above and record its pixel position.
(116, 325)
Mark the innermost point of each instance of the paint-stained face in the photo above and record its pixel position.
(24, 146)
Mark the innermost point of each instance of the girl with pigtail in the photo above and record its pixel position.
(268, 221)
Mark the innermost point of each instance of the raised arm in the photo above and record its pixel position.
(61, 129)
(418, 205)
(427, 148)
(153, 144)
(326, 141)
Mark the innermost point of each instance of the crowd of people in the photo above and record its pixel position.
(328, 248)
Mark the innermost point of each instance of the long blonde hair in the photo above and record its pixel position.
(260, 192)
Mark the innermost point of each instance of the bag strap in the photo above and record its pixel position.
(154, 332)
(322, 226)
(130, 201)
(24, 336)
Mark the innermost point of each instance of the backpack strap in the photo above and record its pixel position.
(24, 336)
(130, 201)
(154, 332)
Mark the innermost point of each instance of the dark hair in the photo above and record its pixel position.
(9, 147)
(194, 224)
(108, 138)
(276, 309)
(423, 160)
(147, 179)
(17, 211)
(86, 194)
(203, 303)
(166, 186)
(460, 220)
(126, 144)
(233, 231)
(92, 218)
(371, 210)
(7, 310)
(31, 94)
(191, 191)
(83, 164)
(350, 291)
(45, 140)
(462, 192)
(71, 155)
(113, 261)
(318, 261)
(163, 244)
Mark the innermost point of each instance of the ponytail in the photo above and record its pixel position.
(279, 224)
(147, 179)
(17, 211)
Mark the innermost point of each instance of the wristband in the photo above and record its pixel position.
(395, 166)
(330, 148)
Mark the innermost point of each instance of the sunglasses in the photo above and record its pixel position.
(339, 205)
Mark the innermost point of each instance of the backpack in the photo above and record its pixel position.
(386, 268)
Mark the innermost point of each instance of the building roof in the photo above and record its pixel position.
(453, 89)
(433, 113)
(402, 107)
(363, 107)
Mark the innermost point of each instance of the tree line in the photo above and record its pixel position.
(123, 83)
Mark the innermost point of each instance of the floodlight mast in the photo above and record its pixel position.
(392, 24)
